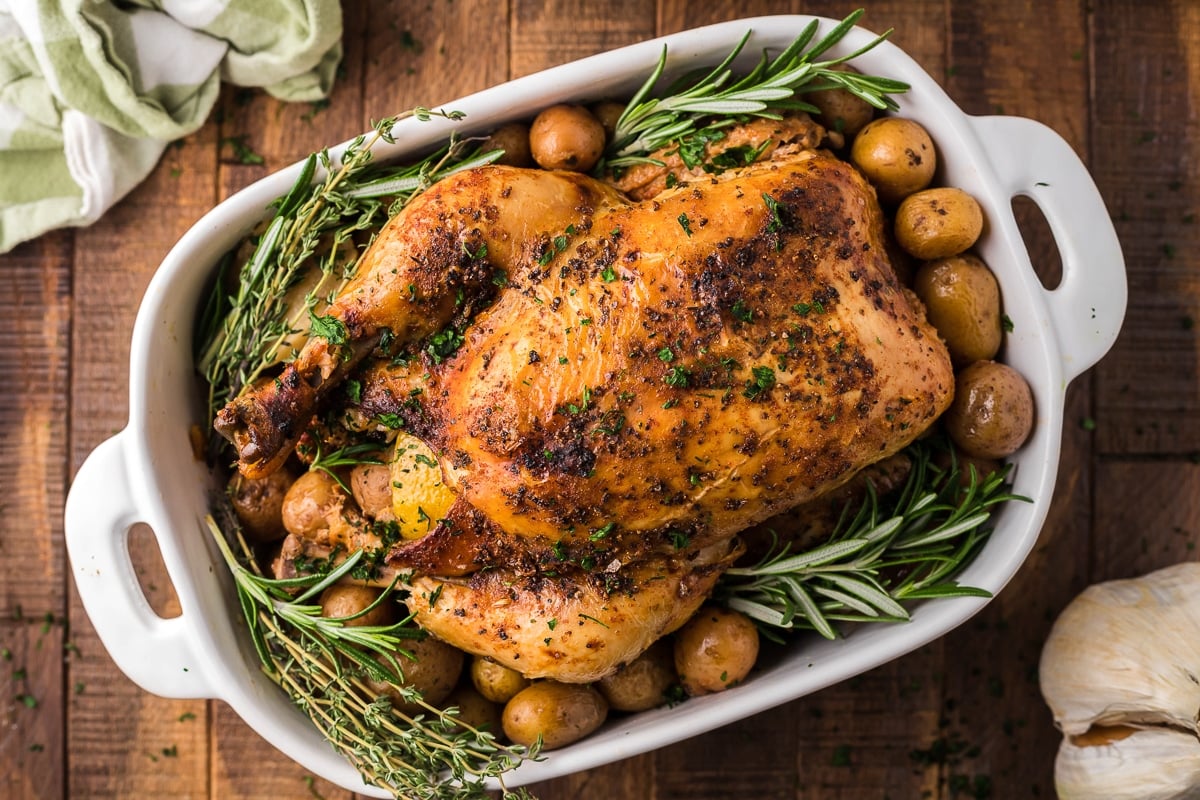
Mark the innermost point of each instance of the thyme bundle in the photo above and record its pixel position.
(324, 665)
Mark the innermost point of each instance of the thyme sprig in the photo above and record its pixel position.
(241, 331)
(651, 123)
(905, 546)
(327, 668)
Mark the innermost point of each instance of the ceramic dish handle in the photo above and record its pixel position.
(154, 652)
(1088, 306)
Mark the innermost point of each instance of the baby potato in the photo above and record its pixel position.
(310, 502)
(608, 112)
(475, 710)
(841, 111)
(561, 713)
(513, 139)
(495, 681)
(714, 650)
(992, 412)
(434, 673)
(419, 498)
(938, 223)
(962, 300)
(346, 600)
(642, 683)
(258, 503)
(896, 155)
(371, 485)
(566, 137)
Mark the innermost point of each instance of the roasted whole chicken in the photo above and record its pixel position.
(615, 390)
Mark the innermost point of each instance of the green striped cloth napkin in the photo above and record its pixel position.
(91, 92)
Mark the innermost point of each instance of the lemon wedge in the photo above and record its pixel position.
(419, 497)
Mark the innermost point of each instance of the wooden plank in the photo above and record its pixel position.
(548, 34)
(1147, 517)
(35, 326)
(994, 712)
(123, 741)
(1147, 163)
(431, 58)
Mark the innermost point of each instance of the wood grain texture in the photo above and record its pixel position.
(961, 717)
(1147, 163)
(35, 316)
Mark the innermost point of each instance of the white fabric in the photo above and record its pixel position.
(160, 40)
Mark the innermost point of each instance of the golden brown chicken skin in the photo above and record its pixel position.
(688, 365)
(610, 382)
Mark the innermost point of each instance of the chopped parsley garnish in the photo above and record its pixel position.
(763, 380)
(443, 344)
(685, 223)
(608, 275)
(666, 354)
(390, 420)
(331, 329)
(775, 224)
(742, 313)
(678, 377)
(803, 309)
(602, 531)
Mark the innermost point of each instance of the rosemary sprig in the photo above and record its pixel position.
(242, 330)
(651, 123)
(905, 546)
(348, 456)
(323, 665)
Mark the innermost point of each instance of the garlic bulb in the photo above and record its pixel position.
(1121, 673)
(1129, 764)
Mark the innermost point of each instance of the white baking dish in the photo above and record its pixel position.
(146, 473)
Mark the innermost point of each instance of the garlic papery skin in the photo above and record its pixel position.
(1127, 652)
(1129, 764)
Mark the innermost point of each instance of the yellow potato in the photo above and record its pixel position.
(495, 681)
(311, 501)
(348, 599)
(513, 139)
(258, 503)
(642, 683)
(841, 111)
(938, 223)
(716, 649)
(475, 710)
(566, 137)
(419, 497)
(561, 713)
(962, 300)
(896, 155)
(371, 485)
(434, 671)
(992, 412)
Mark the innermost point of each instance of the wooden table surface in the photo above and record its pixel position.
(961, 717)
